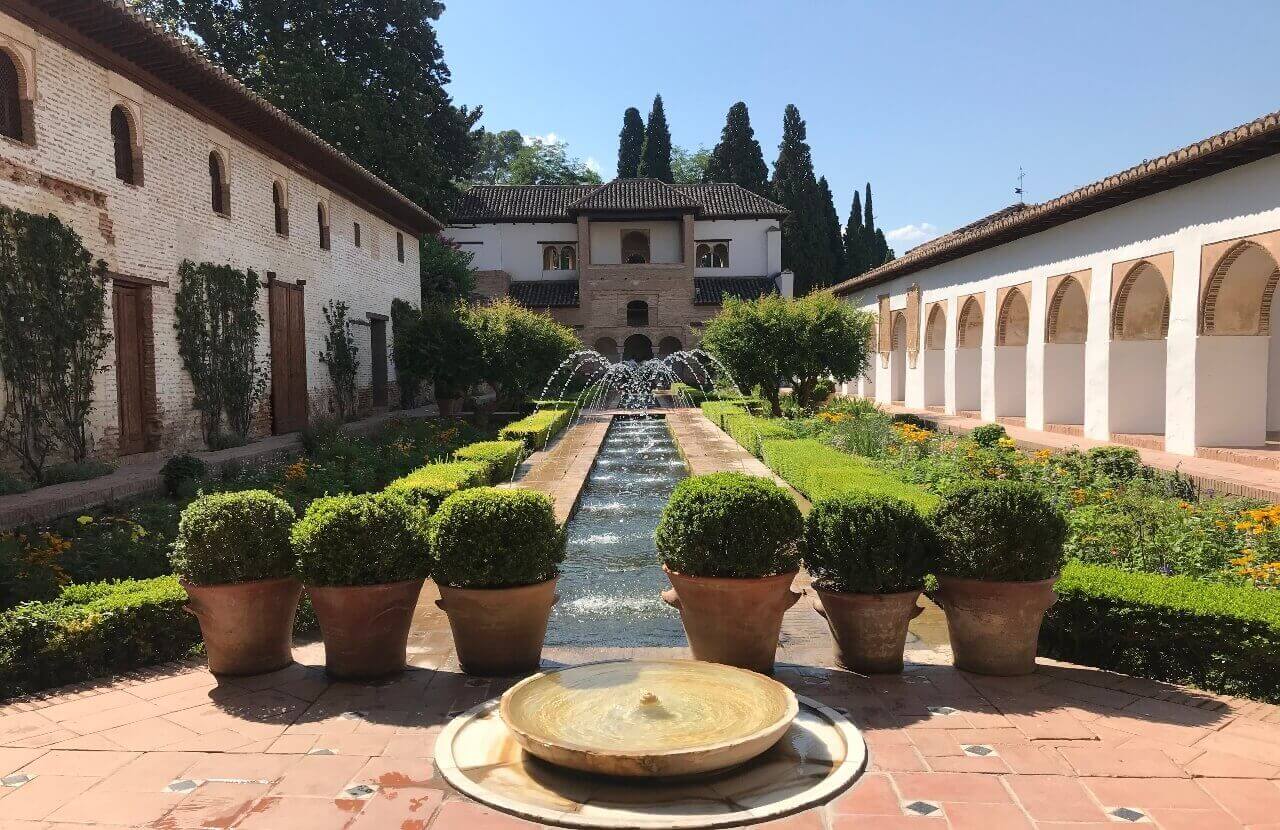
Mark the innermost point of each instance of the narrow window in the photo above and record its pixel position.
(637, 313)
(10, 98)
(567, 258)
(399, 246)
(720, 256)
(217, 183)
(355, 233)
(550, 259)
(322, 222)
(281, 209)
(703, 255)
(122, 139)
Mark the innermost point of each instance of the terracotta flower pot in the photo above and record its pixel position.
(365, 627)
(995, 626)
(730, 620)
(247, 626)
(870, 630)
(499, 631)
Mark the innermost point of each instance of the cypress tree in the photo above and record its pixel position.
(883, 252)
(655, 161)
(834, 259)
(804, 249)
(869, 221)
(855, 248)
(738, 158)
(630, 144)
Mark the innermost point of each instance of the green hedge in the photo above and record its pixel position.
(92, 630)
(820, 471)
(1174, 628)
(430, 485)
(537, 429)
(719, 409)
(750, 430)
(502, 457)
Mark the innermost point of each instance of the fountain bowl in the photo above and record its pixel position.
(648, 718)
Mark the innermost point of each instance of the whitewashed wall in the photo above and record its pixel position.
(514, 247)
(755, 246)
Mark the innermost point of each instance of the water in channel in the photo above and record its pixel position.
(610, 579)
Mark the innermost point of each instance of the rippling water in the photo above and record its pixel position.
(610, 579)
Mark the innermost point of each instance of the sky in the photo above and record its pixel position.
(936, 104)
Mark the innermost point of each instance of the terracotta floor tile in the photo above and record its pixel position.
(1147, 793)
(1252, 802)
(268, 768)
(1054, 798)
(1025, 758)
(393, 809)
(1234, 743)
(986, 817)
(318, 775)
(1221, 765)
(100, 721)
(463, 815)
(146, 735)
(23, 726)
(1050, 725)
(151, 772)
(397, 773)
(221, 740)
(988, 765)
(75, 709)
(411, 746)
(1169, 819)
(951, 786)
(290, 744)
(872, 794)
(274, 813)
(76, 762)
(898, 822)
(213, 805)
(1148, 727)
(1107, 761)
(42, 795)
(357, 744)
(897, 759)
(174, 684)
(13, 759)
(100, 806)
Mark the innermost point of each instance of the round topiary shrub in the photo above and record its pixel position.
(729, 525)
(225, 538)
(1119, 465)
(987, 435)
(491, 538)
(370, 539)
(999, 531)
(867, 544)
(180, 474)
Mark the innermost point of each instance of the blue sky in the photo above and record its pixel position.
(936, 103)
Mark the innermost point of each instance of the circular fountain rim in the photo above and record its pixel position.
(779, 726)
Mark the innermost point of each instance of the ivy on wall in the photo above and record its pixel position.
(341, 358)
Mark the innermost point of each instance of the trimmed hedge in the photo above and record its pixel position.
(717, 410)
(502, 457)
(1221, 638)
(240, 536)
(750, 431)
(370, 539)
(821, 472)
(537, 429)
(868, 544)
(1003, 531)
(496, 538)
(92, 630)
(428, 486)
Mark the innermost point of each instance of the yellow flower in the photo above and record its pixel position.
(84, 520)
(1007, 443)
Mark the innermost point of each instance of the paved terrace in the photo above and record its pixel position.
(1069, 748)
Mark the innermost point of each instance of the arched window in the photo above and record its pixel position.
(669, 345)
(635, 247)
(322, 222)
(550, 258)
(399, 247)
(218, 184)
(637, 313)
(568, 260)
(720, 256)
(637, 347)
(123, 141)
(281, 208)
(10, 98)
(1014, 321)
(703, 255)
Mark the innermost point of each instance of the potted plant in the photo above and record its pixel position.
(363, 560)
(868, 556)
(1000, 553)
(232, 555)
(496, 556)
(730, 544)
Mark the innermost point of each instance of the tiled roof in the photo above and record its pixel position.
(559, 202)
(545, 293)
(713, 290)
(1250, 142)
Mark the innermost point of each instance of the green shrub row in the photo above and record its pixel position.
(430, 485)
(718, 410)
(537, 429)
(1221, 638)
(820, 471)
(502, 457)
(751, 430)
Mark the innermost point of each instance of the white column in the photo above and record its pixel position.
(1097, 352)
(1180, 363)
(952, 308)
(1037, 305)
(990, 322)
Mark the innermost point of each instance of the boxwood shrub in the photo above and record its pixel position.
(426, 487)
(502, 457)
(750, 431)
(495, 538)
(537, 429)
(1000, 531)
(1222, 638)
(868, 544)
(987, 435)
(94, 629)
(234, 537)
(730, 525)
(368, 539)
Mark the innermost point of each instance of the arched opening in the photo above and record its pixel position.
(637, 313)
(218, 195)
(11, 109)
(635, 247)
(1136, 363)
(898, 358)
(124, 144)
(550, 258)
(968, 358)
(1012, 327)
(720, 256)
(935, 357)
(702, 255)
(1066, 329)
(281, 208)
(866, 385)
(568, 259)
(668, 345)
(322, 225)
(1237, 359)
(608, 347)
(637, 347)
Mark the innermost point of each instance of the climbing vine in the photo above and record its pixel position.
(341, 358)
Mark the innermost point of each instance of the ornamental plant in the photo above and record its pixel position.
(226, 538)
(865, 544)
(729, 525)
(987, 435)
(370, 539)
(1000, 531)
(494, 538)
(341, 357)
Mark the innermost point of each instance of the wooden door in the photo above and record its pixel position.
(126, 307)
(378, 348)
(288, 358)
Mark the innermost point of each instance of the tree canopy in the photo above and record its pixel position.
(496, 152)
(864, 244)
(831, 232)
(655, 160)
(689, 167)
(548, 162)
(519, 348)
(445, 269)
(738, 158)
(630, 144)
(806, 249)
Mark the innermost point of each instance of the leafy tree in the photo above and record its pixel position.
(52, 338)
(436, 345)
(737, 158)
(368, 78)
(776, 340)
(445, 270)
(831, 231)
(496, 151)
(805, 248)
(341, 356)
(548, 162)
(655, 160)
(630, 144)
(687, 167)
(519, 348)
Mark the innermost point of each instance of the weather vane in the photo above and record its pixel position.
(1017, 191)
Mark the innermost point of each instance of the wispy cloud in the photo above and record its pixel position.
(549, 138)
(592, 164)
(909, 236)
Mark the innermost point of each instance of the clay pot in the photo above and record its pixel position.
(499, 631)
(365, 627)
(870, 630)
(731, 620)
(995, 626)
(247, 626)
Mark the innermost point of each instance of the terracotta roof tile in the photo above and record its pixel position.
(713, 290)
(558, 203)
(545, 293)
(635, 194)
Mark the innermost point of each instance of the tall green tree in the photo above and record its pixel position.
(495, 153)
(805, 249)
(548, 162)
(655, 161)
(689, 167)
(738, 158)
(630, 144)
(445, 271)
(855, 249)
(369, 78)
(831, 231)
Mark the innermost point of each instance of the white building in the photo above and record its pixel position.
(1135, 309)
